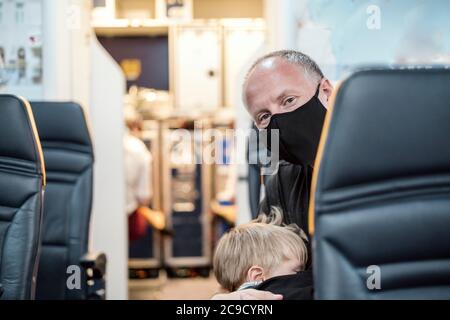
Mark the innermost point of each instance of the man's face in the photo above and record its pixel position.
(277, 86)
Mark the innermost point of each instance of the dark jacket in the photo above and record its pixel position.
(298, 286)
(289, 189)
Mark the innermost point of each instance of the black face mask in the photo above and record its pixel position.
(299, 131)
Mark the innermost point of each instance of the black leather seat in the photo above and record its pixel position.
(69, 157)
(381, 190)
(22, 180)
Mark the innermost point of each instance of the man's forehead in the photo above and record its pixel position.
(268, 63)
(274, 75)
(275, 69)
(273, 64)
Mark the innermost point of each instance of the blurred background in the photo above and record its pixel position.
(144, 68)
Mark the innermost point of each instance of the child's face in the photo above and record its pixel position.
(287, 267)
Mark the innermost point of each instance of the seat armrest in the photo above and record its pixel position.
(95, 261)
(94, 264)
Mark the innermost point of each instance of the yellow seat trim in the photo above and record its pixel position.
(35, 133)
(318, 160)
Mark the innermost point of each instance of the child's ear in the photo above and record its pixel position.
(255, 273)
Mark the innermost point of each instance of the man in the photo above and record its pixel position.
(138, 172)
(287, 91)
(137, 164)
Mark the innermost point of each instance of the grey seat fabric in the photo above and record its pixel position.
(22, 179)
(382, 189)
(69, 160)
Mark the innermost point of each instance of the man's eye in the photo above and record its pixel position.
(264, 116)
(289, 101)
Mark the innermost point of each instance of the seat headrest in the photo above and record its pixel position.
(19, 140)
(64, 123)
(375, 116)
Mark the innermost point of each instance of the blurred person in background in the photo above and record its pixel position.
(138, 173)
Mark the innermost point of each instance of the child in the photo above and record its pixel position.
(251, 254)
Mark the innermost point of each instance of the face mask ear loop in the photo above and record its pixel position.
(318, 90)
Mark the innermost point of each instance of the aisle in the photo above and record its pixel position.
(173, 289)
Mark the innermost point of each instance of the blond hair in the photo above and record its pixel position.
(264, 242)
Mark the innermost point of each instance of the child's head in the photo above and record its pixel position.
(258, 251)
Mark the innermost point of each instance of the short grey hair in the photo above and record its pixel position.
(310, 67)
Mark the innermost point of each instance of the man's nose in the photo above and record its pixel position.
(275, 109)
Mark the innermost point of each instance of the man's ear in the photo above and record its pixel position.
(255, 273)
(326, 91)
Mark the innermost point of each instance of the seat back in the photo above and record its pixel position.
(381, 188)
(69, 160)
(22, 180)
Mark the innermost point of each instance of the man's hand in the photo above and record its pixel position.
(156, 219)
(248, 294)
